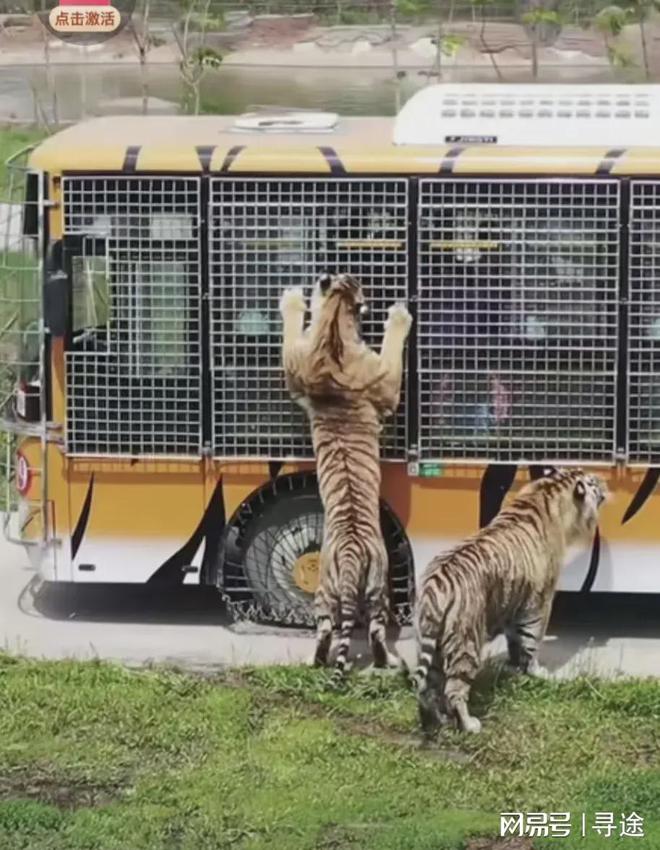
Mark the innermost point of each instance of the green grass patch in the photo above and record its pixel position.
(97, 757)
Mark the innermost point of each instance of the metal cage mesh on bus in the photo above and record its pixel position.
(266, 235)
(132, 249)
(519, 288)
(517, 319)
(643, 402)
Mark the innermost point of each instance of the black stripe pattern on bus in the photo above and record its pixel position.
(232, 153)
(83, 519)
(332, 158)
(205, 155)
(594, 562)
(495, 484)
(449, 161)
(274, 468)
(173, 571)
(643, 492)
(131, 158)
(607, 164)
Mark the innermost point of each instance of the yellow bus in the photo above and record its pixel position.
(147, 431)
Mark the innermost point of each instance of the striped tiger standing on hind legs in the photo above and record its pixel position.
(346, 389)
(502, 579)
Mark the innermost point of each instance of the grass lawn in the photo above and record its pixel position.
(95, 756)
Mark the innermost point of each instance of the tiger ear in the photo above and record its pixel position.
(324, 281)
(580, 492)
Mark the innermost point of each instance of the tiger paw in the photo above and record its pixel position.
(399, 317)
(472, 725)
(292, 301)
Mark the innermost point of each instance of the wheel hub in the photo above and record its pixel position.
(306, 571)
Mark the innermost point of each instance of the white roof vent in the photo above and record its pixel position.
(531, 114)
(287, 122)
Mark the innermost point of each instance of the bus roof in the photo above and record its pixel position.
(196, 144)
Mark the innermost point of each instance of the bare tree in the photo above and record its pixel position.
(446, 44)
(142, 41)
(39, 14)
(540, 20)
(196, 57)
(481, 5)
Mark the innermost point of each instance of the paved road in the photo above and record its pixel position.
(603, 635)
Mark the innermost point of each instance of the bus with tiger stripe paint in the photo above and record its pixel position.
(147, 433)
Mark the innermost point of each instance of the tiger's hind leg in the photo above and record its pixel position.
(429, 684)
(524, 638)
(323, 642)
(348, 608)
(461, 665)
(325, 611)
(378, 612)
(381, 655)
(431, 704)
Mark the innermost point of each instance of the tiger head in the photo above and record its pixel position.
(331, 289)
(581, 495)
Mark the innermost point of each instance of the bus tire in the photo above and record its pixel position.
(269, 555)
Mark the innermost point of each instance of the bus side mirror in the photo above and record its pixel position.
(56, 302)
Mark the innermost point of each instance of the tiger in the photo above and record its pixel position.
(502, 579)
(347, 390)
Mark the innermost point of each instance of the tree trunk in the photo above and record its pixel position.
(83, 86)
(50, 82)
(645, 55)
(144, 51)
(144, 85)
(482, 38)
(438, 45)
(393, 36)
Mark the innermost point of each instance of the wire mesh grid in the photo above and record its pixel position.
(644, 323)
(21, 342)
(133, 371)
(517, 328)
(270, 234)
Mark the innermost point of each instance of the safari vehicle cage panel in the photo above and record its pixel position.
(644, 325)
(522, 344)
(133, 369)
(517, 319)
(269, 234)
